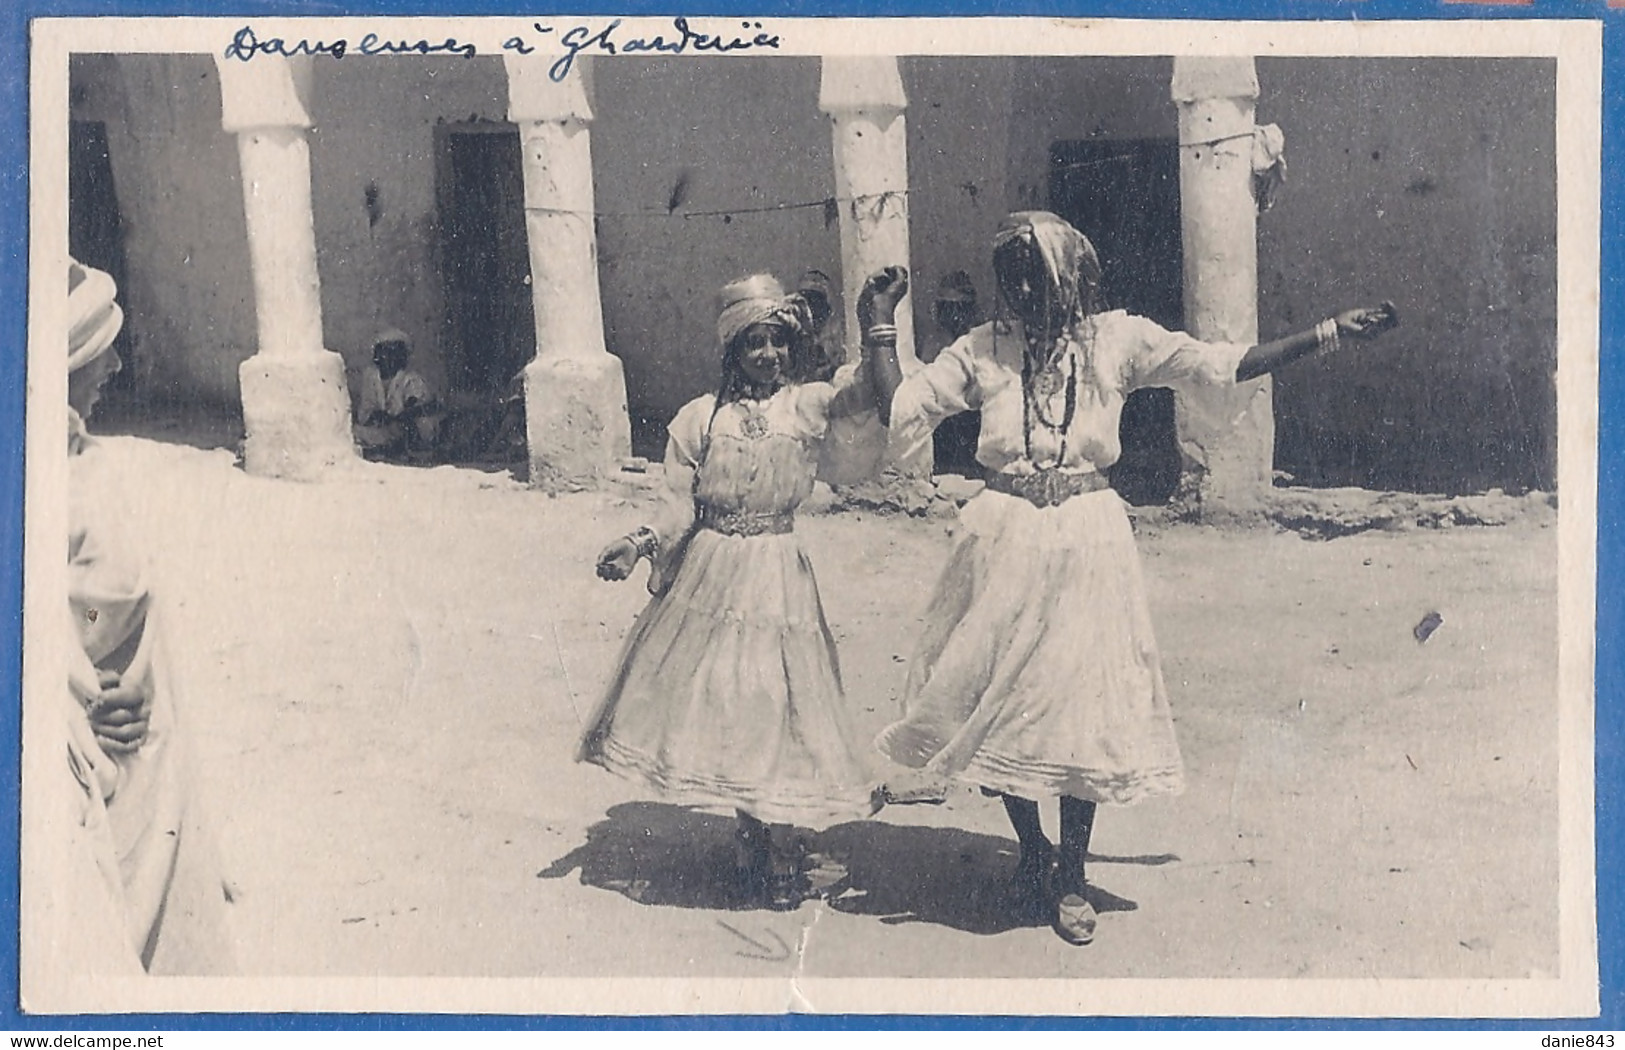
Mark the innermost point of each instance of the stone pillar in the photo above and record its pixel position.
(296, 409)
(1227, 437)
(575, 390)
(864, 99)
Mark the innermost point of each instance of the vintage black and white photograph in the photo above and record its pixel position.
(671, 515)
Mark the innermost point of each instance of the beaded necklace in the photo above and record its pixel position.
(1040, 409)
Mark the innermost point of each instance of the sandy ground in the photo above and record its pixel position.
(388, 671)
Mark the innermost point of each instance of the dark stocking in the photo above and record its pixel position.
(1030, 882)
(1077, 823)
(1023, 814)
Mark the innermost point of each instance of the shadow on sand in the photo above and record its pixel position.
(668, 856)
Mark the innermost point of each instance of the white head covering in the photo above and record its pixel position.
(94, 317)
(747, 301)
(391, 335)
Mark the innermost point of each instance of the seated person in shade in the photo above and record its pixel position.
(397, 414)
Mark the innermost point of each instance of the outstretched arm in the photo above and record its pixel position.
(685, 441)
(1363, 323)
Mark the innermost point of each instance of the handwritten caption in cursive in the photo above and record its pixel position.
(566, 42)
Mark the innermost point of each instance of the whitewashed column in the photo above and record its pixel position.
(296, 410)
(865, 102)
(575, 390)
(1227, 437)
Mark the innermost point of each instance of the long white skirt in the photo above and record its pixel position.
(728, 694)
(1037, 674)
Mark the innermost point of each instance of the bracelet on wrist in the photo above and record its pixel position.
(1326, 334)
(881, 335)
(644, 539)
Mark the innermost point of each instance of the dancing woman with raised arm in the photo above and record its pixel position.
(728, 692)
(1037, 675)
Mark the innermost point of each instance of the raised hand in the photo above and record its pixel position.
(877, 302)
(1367, 322)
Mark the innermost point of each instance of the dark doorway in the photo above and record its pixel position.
(1124, 196)
(95, 229)
(485, 261)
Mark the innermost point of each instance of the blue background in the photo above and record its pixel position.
(1610, 726)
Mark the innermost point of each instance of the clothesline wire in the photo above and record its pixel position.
(825, 203)
(1222, 138)
(1098, 162)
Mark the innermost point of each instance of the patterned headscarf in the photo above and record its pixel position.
(760, 299)
(1075, 271)
(757, 299)
(1073, 266)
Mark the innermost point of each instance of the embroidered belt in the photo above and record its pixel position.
(1048, 487)
(745, 523)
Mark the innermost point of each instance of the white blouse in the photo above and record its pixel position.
(1111, 354)
(763, 456)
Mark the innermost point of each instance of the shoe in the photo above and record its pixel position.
(913, 789)
(1074, 919)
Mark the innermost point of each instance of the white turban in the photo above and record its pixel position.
(750, 300)
(94, 317)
